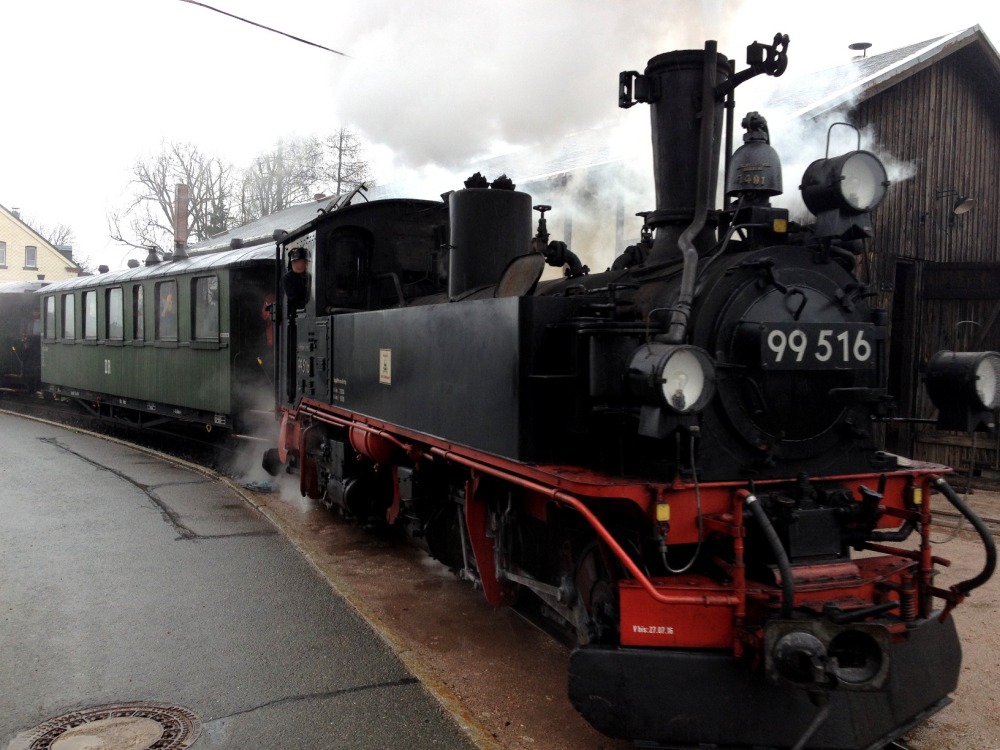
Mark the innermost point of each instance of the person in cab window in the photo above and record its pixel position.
(168, 317)
(297, 282)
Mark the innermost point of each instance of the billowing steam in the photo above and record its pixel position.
(517, 73)
(523, 83)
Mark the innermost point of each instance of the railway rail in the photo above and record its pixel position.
(955, 522)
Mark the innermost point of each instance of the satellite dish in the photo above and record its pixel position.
(862, 46)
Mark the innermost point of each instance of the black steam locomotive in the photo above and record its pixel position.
(673, 459)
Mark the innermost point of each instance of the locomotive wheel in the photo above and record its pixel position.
(444, 537)
(598, 594)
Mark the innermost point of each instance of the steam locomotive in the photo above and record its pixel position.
(674, 459)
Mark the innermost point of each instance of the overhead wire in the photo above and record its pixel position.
(262, 26)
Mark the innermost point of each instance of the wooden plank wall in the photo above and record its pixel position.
(942, 127)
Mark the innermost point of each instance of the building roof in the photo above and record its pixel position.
(262, 230)
(288, 219)
(816, 93)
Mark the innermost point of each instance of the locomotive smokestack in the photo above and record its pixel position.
(686, 118)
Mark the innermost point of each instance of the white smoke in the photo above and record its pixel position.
(441, 99)
(497, 76)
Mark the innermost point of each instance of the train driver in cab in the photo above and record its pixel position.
(297, 281)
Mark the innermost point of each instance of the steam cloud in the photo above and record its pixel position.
(518, 74)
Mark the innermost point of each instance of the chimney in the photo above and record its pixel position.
(16, 213)
(180, 221)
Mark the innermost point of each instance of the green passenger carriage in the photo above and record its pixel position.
(181, 340)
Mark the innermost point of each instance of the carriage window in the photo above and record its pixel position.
(166, 307)
(50, 317)
(138, 324)
(116, 315)
(68, 317)
(90, 315)
(206, 308)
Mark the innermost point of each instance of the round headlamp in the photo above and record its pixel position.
(855, 182)
(681, 378)
(965, 388)
(986, 381)
(972, 378)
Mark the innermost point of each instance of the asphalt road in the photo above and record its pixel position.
(124, 578)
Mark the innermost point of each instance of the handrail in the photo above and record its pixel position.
(576, 504)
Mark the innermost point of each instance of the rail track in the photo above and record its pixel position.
(954, 521)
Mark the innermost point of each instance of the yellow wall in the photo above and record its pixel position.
(53, 264)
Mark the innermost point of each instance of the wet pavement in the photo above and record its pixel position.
(125, 578)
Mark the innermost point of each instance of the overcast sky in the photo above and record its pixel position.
(90, 87)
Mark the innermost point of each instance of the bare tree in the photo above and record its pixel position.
(221, 197)
(344, 167)
(295, 170)
(279, 178)
(60, 234)
(148, 219)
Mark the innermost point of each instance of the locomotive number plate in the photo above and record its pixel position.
(817, 346)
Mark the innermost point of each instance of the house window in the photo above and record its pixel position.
(90, 315)
(68, 317)
(166, 306)
(206, 308)
(116, 314)
(50, 317)
(3, 254)
(31, 257)
(138, 323)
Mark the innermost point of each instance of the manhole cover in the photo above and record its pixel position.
(120, 726)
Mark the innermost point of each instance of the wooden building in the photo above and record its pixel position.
(935, 261)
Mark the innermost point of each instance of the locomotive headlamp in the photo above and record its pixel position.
(681, 378)
(855, 182)
(842, 192)
(965, 387)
